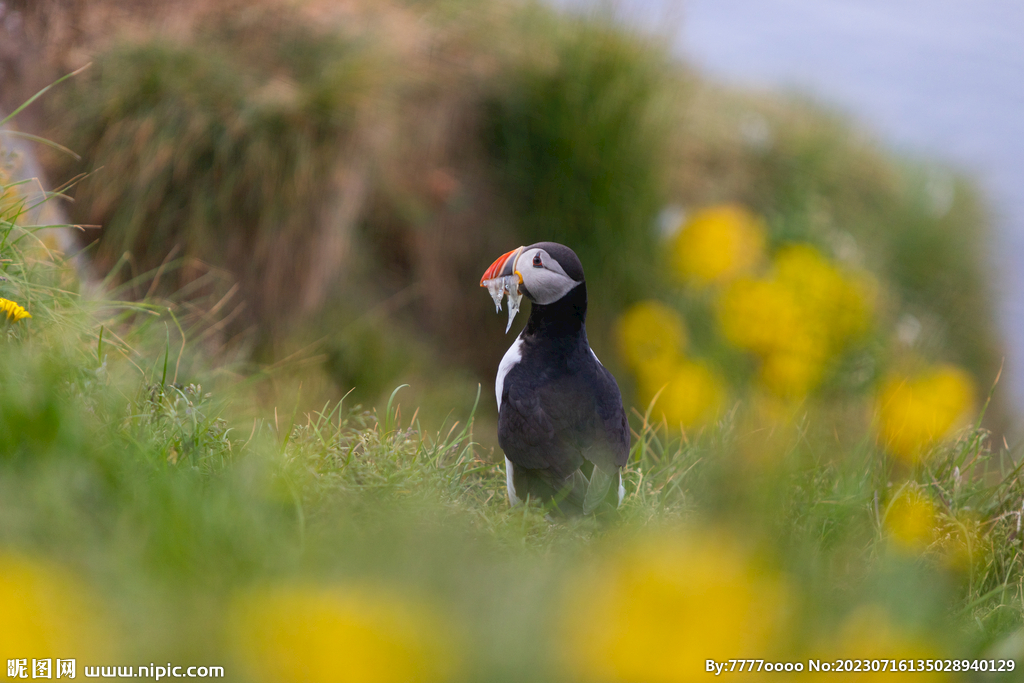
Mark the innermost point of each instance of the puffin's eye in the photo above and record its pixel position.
(537, 262)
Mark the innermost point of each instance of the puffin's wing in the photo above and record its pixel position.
(525, 431)
(611, 448)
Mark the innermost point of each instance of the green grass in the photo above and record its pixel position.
(158, 495)
(171, 481)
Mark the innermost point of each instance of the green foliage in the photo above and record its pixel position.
(579, 135)
(364, 356)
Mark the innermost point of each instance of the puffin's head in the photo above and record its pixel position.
(546, 270)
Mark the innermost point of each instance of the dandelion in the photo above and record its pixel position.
(659, 606)
(691, 393)
(650, 335)
(910, 521)
(47, 611)
(840, 302)
(768, 319)
(312, 634)
(796, 319)
(915, 412)
(793, 373)
(758, 315)
(718, 244)
(13, 311)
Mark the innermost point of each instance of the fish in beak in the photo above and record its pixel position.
(503, 278)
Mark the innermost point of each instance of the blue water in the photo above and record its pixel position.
(941, 79)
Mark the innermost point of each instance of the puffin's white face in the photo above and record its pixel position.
(542, 277)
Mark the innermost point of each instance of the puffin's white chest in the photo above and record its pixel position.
(512, 356)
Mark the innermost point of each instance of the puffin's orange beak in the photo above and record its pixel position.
(504, 266)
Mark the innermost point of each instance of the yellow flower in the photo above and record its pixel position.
(840, 303)
(792, 373)
(650, 334)
(758, 315)
(911, 520)
(718, 244)
(691, 393)
(47, 613)
(651, 338)
(915, 412)
(767, 318)
(659, 606)
(13, 311)
(309, 635)
(796, 319)
(869, 634)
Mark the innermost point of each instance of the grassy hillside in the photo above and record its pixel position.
(147, 519)
(292, 205)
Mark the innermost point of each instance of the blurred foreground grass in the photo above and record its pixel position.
(146, 519)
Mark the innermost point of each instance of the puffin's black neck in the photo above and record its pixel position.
(563, 318)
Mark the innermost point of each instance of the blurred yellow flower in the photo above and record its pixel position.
(910, 521)
(759, 315)
(767, 318)
(310, 634)
(651, 337)
(657, 607)
(915, 412)
(869, 634)
(691, 393)
(791, 374)
(718, 244)
(796, 319)
(13, 311)
(840, 302)
(47, 613)
(650, 334)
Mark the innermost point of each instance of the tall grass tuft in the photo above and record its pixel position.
(221, 152)
(578, 134)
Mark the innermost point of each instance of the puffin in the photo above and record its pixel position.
(561, 423)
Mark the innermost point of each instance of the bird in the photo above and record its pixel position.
(561, 423)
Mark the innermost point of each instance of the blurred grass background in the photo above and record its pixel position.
(292, 203)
